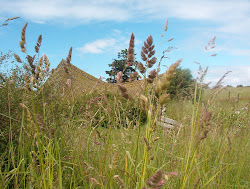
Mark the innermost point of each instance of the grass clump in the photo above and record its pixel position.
(58, 137)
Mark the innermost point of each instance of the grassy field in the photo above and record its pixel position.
(75, 131)
(102, 141)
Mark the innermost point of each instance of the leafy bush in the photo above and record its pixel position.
(181, 83)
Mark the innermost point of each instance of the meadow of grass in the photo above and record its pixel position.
(108, 140)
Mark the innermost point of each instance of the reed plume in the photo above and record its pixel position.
(141, 68)
(18, 59)
(152, 76)
(133, 76)
(69, 55)
(148, 52)
(38, 44)
(165, 28)
(23, 40)
(156, 181)
(131, 56)
(123, 91)
(164, 82)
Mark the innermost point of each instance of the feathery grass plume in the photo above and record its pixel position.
(131, 56)
(157, 138)
(41, 61)
(205, 117)
(119, 181)
(152, 76)
(152, 157)
(13, 18)
(164, 99)
(144, 102)
(169, 49)
(18, 59)
(119, 77)
(211, 45)
(9, 19)
(219, 83)
(146, 140)
(164, 82)
(95, 182)
(123, 91)
(141, 68)
(38, 44)
(148, 51)
(65, 67)
(23, 40)
(40, 121)
(156, 181)
(170, 39)
(68, 82)
(69, 55)
(133, 76)
(31, 61)
(165, 28)
(46, 62)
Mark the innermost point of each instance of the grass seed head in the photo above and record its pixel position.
(165, 28)
(156, 180)
(69, 55)
(23, 39)
(38, 44)
(18, 59)
(131, 56)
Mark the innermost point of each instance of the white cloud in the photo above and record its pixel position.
(239, 75)
(114, 44)
(98, 46)
(225, 12)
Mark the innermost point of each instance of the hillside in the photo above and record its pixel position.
(78, 82)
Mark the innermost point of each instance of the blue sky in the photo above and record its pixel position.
(98, 29)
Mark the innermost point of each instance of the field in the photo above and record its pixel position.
(101, 140)
(75, 131)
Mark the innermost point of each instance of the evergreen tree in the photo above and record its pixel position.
(120, 64)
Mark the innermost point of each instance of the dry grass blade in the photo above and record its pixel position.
(219, 83)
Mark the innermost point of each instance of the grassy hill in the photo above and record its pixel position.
(78, 82)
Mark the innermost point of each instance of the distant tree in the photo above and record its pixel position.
(182, 83)
(239, 86)
(118, 65)
(229, 86)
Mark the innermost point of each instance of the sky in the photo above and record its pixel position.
(99, 29)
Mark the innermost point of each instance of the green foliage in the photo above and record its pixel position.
(181, 84)
(102, 140)
(118, 65)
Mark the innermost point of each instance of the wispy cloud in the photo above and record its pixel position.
(225, 12)
(117, 41)
(239, 75)
(98, 46)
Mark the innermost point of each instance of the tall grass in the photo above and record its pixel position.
(108, 140)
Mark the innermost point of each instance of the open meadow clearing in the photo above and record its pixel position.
(64, 128)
